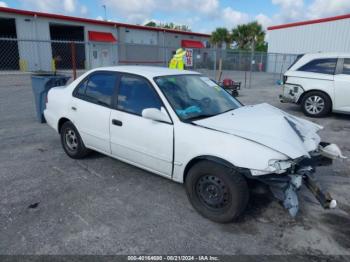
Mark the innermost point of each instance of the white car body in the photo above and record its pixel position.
(260, 138)
(336, 85)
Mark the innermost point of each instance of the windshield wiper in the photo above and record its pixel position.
(226, 111)
(198, 117)
(202, 116)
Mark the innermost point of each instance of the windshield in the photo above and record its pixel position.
(194, 97)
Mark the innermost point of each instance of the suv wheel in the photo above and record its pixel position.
(71, 141)
(217, 192)
(316, 104)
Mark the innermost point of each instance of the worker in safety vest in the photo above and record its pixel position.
(178, 60)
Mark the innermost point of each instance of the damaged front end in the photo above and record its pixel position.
(286, 183)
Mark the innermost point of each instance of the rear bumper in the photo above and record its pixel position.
(51, 119)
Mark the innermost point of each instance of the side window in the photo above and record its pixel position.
(100, 88)
(322, 66)
(346, 66)
(135, 94)
(80, 90)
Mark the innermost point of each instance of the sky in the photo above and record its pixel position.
(200, 15)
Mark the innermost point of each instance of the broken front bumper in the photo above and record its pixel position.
(291, 93)
(287, 99)
(284, 187)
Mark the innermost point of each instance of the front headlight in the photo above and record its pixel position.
(280, 166)
(275, 166)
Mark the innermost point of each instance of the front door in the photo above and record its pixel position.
(342, 88)
(102, 55)
(95, 57)
(137, 140)
(91, 109)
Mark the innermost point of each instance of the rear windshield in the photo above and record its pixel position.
(295, 61)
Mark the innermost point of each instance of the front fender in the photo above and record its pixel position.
(193, 142)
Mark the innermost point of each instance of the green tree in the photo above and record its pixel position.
(219, 36)
(151, 23)
(261, 47)
(247, 35)
(169, 26)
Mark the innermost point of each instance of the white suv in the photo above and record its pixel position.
(320, 83)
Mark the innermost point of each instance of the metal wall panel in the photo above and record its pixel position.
(333, 36)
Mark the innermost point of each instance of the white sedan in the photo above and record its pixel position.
(181, 125)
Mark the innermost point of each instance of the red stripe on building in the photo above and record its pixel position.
(96, 22)
(310, 22)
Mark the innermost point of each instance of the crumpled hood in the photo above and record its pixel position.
(269, 126)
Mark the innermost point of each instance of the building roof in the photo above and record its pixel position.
(309, 22)
(93, 21)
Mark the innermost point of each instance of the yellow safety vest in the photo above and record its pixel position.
(177, 62)
(173, 63)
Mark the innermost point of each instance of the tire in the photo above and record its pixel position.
(316, 104)
(71, 141)
(217, 192)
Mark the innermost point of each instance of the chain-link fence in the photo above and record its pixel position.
(20, 55)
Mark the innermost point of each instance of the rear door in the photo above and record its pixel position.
(137, 140)
(91, 109)
(318, 74)
(342, 86)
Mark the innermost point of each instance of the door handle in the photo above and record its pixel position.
(117, 122)
(74, 108)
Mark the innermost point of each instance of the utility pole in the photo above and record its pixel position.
(252, 62)
(105, 10)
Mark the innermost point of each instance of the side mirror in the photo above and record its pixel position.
(155, 115)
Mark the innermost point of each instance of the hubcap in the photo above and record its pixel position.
(314, 105)
(71, 139)
(212, 191)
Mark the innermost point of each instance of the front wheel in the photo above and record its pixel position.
(316, 104)
(217, 192)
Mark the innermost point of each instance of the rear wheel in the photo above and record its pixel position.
(217, 192)
(316, 104)
(71, 141)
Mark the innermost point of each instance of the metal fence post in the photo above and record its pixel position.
(89, 56)
(251, 66)
(74, 62)
(214, 50)
(275, 71)
(165, 56)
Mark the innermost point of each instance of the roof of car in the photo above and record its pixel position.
(147, 71)
(328, 54)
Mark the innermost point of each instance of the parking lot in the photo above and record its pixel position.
(51, 204)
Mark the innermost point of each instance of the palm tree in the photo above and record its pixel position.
(219, 36)
(249, 35)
